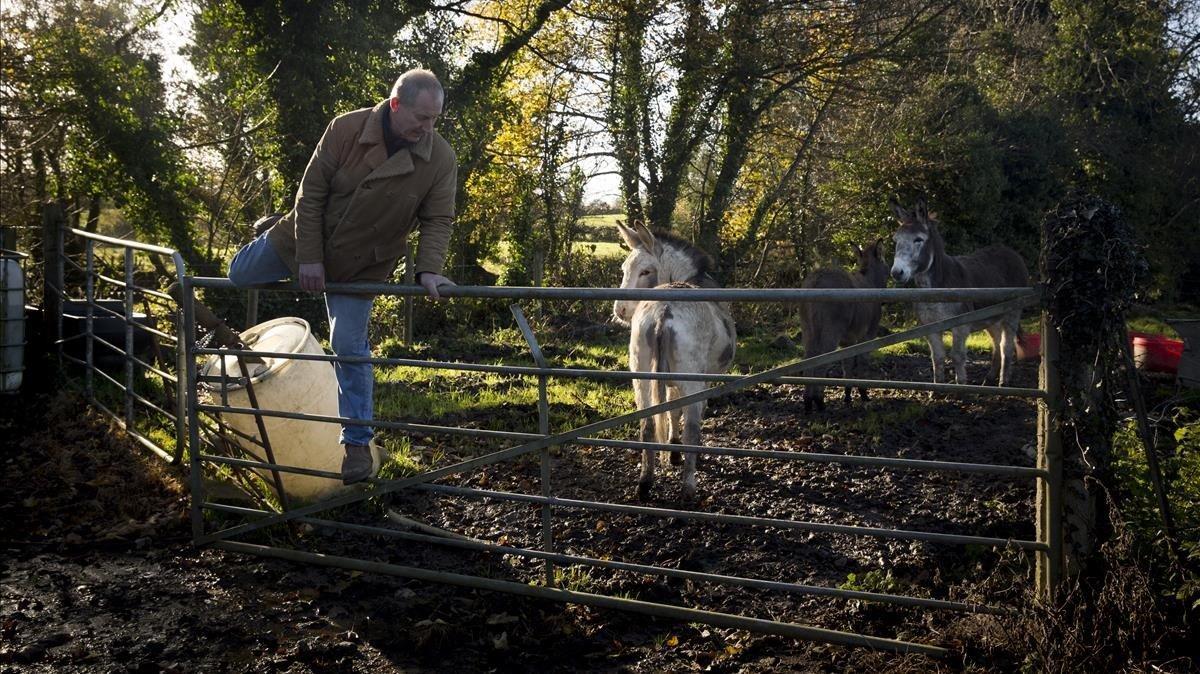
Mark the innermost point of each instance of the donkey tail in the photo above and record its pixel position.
(660, 361)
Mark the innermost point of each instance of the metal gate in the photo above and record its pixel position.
(1047, 475)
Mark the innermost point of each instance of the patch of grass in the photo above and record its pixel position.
(979, 343)
(399, 461)
(873, 422)
(1152, 325)
(598, 248)
(607, 221)
(571, 578)
(871, 581)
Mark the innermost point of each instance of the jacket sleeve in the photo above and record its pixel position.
(435, 219)
(313, 196)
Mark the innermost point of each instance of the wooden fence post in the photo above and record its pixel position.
(1050, 459)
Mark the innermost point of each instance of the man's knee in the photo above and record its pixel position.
(238, 274)
(349, 345)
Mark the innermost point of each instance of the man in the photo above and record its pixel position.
(376, 173)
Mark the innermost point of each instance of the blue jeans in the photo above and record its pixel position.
(257, 262)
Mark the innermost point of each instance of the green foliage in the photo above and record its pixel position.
(1131, 140)
(89, 114)
(871, 581)
(1139, 506)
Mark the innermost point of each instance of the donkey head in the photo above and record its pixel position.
(914, 238)
(871, 263)
(642, 268)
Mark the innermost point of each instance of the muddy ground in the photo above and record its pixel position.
(98, 572)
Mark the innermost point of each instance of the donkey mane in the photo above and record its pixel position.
(702, 261)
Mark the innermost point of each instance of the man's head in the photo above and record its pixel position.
(416, 103)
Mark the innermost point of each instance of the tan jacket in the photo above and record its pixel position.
(356, 206)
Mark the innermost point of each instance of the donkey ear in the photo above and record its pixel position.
(901, 214)
(922, 212)
(647, 237)
(630, 236)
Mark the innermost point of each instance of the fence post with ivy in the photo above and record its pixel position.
(1091, 267)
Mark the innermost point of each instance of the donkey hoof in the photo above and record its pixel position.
(676, 458)
(643, 491)
(862, 392)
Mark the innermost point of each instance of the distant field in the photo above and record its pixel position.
(598, 239)
(599, 248)
(602, 221)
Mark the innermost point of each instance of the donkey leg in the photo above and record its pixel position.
(848, 372)
(860, 371)
(814, 395)
(1008, 347)
(996, 332)
(937, 354)
(676, 435)
(692, 416)
(641, 395)
(958, 352)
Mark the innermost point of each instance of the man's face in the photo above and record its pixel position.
(411, 122)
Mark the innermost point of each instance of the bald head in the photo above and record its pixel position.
(410, 85)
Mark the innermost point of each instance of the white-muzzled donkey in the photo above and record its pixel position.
(827, 325)
(671, 336)
(921, 257)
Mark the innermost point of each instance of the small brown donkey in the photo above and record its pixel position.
(921, 257)
(828, 325)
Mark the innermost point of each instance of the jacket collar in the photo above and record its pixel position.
(376, 157)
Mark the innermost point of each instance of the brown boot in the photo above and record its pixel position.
(357, 464)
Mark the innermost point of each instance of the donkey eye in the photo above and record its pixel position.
(918, 241)
(645, 272)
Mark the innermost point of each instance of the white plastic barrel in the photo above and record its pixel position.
(12, 324)
(286, 385)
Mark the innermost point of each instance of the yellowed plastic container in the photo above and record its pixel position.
(286, 385)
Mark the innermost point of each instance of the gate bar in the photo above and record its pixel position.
(679, 613)
(975, 295)
(535, 350)
(567, 560)
(813, 457)
(723, 518)
(625, 375)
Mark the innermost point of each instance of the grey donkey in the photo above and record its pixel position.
(921, 257)
(828, 325)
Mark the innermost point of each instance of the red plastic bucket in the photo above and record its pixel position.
(1155, 353)
(1029, 345)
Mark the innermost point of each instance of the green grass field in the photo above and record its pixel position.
(608, 221)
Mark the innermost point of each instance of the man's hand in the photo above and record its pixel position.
(430, 281)
(312, 277)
